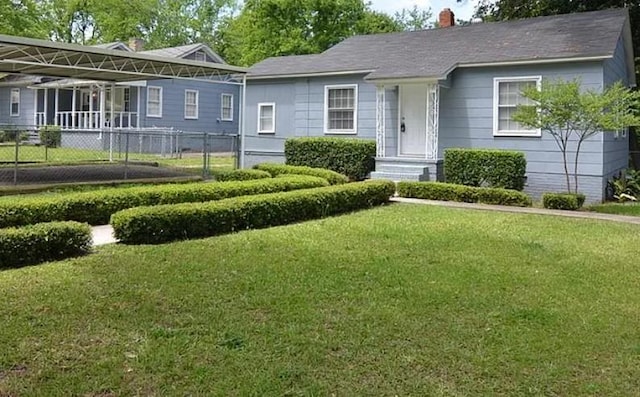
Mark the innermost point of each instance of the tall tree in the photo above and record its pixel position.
(267, 28)
(21, 18)
(414, 18)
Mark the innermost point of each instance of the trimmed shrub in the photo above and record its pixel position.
(96, 207)
(479, 167)
(563, 201)
(43, 242)
(152, 225)
(352, 157)
(50, 136)
(240, 175)
(468, 194)
(278, 169)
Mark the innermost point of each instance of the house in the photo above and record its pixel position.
(419, 93)
(78, 105)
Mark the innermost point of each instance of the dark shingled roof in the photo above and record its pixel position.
(434, 53)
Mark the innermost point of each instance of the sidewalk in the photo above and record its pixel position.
(524, 210)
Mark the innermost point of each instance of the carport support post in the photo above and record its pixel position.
(111, 98)
(243, 119)
(205, 157)
(15, 166)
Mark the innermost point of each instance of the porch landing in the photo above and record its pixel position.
(407, 169)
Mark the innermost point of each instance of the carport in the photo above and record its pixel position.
(19, 55)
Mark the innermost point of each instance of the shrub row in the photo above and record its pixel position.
(478, 167)
(467, 194)
(352, 157)
(152, 225)
(240, 175)
(43, 242)
(563, 201)
(333, 177)
(96, 207)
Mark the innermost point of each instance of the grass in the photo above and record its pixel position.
(399, 300)
(632, 209)
(58, 156)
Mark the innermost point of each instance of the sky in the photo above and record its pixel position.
(462, 10)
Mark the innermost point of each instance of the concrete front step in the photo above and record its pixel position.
(400, 176)
(402, 168)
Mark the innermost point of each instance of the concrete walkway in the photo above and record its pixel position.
(103, 235)
(524, 210)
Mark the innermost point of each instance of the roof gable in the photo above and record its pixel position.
(185, 51)
(436, 52)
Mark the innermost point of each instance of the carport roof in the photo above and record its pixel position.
(46, 58)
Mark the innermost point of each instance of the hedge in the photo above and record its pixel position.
(50, 136)
(333, 177)
(152, 225)
(478, 167)
(563, 201)
(352, 157)
(96, 207)
(468, 194)
(240, 175)
(43, 242)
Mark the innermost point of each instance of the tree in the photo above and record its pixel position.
(411, 19)
(268, 28)
(21, 18)
(571, 115)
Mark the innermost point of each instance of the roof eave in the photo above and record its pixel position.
(300, 75)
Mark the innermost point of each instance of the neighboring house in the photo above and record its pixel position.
(419, 93)
(80, 105)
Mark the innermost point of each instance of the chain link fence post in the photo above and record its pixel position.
(126, 155)
(16, 156)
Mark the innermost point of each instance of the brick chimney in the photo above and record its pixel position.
(136, 44)
(446, 18)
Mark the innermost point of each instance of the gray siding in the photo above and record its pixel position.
(209, 106)
(616, 146)
(300, 112)
(26, 107)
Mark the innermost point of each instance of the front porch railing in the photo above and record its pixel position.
(89, 120)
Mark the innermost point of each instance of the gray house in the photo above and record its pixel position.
(419, 93)
(78, 105)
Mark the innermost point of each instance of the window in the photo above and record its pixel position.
(126, 93)
(340, 109)
(190, 104)
(227, 107)
(200, 56)
(15, 101)
(154, 101)
(507, 95)
(266, 118)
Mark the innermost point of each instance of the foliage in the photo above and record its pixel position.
(10, 136)
(468, 194)
(626, 186)
(571, 116)
(21, 18)
(50, 136)
(628, 208)
(239, 175)
(43, 242)
(352, 157)
(96, 207)
(480, 167)
(152, 225)
(411, 19)
(333, 177)
(563, 201)
(267, 28)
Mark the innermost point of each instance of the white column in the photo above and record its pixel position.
(36, 93)
(56, 107)
(112, 97)
(73, 108)
(91, 107)
(433, 112)
(380, 120)
(46, 105)
(138, 90)
(103, 102)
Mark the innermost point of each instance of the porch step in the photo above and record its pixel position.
(401, 176)
(402, 168)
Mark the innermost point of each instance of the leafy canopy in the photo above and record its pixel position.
(572, 115)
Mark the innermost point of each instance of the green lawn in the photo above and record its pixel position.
(632, 209)
(73, 155)
(401, 300)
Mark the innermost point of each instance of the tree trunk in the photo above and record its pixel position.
(566, 168)
(575, 165)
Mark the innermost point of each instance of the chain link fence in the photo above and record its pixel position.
(48, 155)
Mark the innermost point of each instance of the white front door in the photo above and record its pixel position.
(413, 120)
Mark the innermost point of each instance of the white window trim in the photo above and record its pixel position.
(197, 104)
(496, 97)
(17, 114)
(200, 52)
(273, 117)
(222, 107)
(354, 131)
(158, 115)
